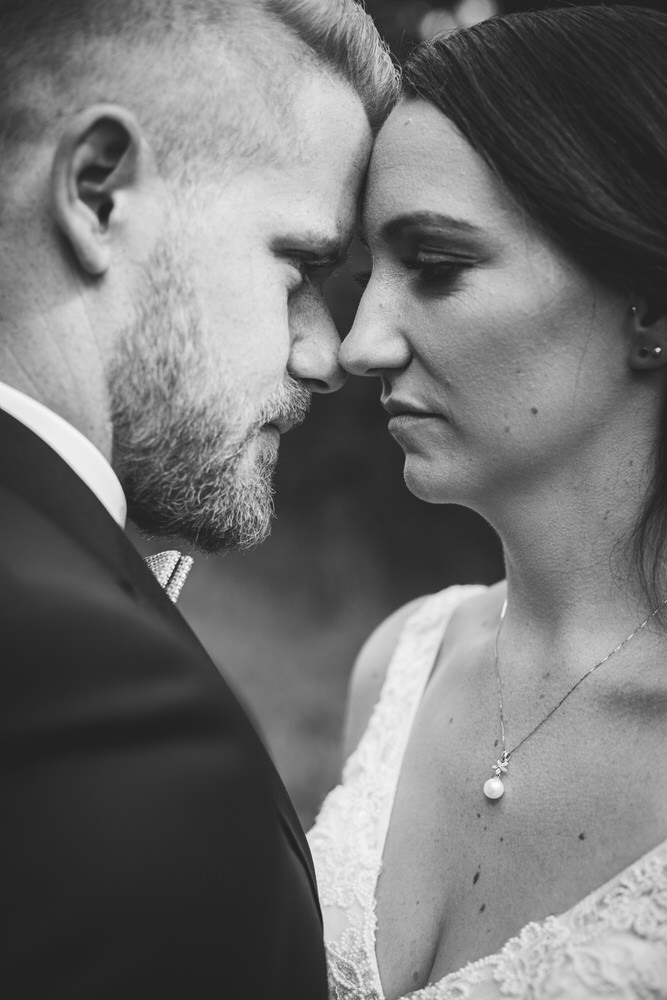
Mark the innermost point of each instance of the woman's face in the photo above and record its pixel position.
(502, 363)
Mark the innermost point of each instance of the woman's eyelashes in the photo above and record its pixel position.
(433, 270)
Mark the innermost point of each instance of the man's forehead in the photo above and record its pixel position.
(327, 118)
(317, 191)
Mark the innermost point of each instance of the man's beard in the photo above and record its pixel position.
(189, 451)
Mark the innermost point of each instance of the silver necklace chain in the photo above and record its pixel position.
(494, 788)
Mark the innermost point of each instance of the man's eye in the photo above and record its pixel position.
(362, 277)
(313, 271)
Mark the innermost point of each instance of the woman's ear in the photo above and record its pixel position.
(101, 159)
(648, 346)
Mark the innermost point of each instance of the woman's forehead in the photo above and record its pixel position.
(422, 163)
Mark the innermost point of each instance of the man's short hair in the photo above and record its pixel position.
(342, 35)
(57, 57)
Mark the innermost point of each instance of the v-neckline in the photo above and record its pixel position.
(462, 593)
(586, 903)
(478, 964)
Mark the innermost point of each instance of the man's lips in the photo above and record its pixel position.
(281, 425)
(286, 408)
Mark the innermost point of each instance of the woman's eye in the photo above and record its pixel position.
(431, 269)
(434, 268)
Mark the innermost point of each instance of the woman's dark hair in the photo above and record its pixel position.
(568, 107)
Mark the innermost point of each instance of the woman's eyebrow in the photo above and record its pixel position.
(395, 228)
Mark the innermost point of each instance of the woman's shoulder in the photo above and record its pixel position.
(370, 669)
(371, 666)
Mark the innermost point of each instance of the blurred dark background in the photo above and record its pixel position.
(350, 543)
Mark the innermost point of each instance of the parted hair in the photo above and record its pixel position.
(568, 107)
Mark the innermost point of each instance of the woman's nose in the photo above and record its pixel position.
(374, 345)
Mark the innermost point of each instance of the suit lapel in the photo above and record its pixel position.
(35, 472)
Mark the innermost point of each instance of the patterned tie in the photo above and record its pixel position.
(170, 570)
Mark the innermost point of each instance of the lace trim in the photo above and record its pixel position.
(612, 944)
(348, 838)
(351, 972)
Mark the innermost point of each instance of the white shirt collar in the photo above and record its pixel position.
(81, 455)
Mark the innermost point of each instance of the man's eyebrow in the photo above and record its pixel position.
(395, 227)
(319, 245)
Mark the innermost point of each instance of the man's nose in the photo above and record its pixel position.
(313, 356)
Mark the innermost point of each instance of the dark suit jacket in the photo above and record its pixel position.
(148, 849)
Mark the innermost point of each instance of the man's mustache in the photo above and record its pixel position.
(288, 405)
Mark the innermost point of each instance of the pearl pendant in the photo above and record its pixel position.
(494, 788)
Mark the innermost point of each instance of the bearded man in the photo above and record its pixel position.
(178, 179)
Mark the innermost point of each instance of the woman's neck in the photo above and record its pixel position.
(572, 584)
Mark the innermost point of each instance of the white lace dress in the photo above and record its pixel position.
(612, 944)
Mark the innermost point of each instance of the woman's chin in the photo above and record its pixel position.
(423, 484)
(434, 480)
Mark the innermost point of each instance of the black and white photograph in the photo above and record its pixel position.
(333, 500)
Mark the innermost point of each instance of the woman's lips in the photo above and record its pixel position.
(408, 418)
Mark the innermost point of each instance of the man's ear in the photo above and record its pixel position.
(648, 347)
(102, 158)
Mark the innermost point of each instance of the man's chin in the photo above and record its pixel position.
(234, 513)
(209, 532)
(216, 503)
(238, 538)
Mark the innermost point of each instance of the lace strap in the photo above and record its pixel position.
(419, 644)
(381, 748)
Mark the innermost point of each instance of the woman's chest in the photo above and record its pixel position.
(461, 874)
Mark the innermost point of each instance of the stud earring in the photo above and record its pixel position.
(633, 310)
(650, 352)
